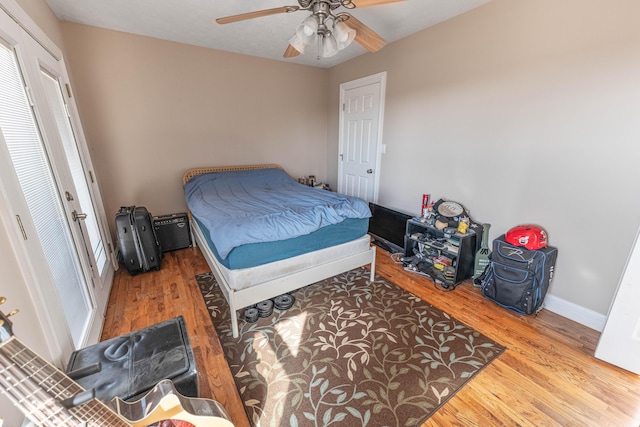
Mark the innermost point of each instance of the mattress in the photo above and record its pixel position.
(255, 254)
(244, 278)
(238, 208)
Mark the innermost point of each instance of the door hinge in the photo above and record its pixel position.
(109, 248)
(66, 85)
(24, 233)
(91, 177)
(344, 107)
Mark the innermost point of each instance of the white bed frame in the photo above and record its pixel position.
(238, 299)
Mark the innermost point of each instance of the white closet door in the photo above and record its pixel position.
(360, 145)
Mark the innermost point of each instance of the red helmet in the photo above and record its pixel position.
(531, 237)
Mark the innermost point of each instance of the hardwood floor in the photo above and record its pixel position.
(546, 377)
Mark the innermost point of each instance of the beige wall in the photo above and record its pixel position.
(152, 109)
(526, 112)
(523, 111)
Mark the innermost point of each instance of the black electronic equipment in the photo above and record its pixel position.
(172, 231)
(388, 227)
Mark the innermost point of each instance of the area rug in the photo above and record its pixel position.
(348, 352)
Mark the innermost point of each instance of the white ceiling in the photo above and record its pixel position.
(193, 22)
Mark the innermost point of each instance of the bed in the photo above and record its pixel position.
(251, 269)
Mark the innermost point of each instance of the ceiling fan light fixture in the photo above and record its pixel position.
(344, 34)
(327, 27)
(308, 29)
(329, 46)
(300, 34)
(308, 40)
(297, 43)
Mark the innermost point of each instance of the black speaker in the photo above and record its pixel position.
(172, 231)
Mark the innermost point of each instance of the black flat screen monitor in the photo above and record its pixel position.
(387, 227)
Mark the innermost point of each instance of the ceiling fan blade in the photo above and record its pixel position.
(365, 35)
(257, 14)
(291, 52)
(366, 3)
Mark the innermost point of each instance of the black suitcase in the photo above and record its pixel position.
(127, 241)
(151, 253)
(138, 243)
(517, 278)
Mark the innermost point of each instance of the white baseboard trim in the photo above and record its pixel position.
(575, 312)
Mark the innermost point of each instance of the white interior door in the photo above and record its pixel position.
(360, 146)
(620, 340)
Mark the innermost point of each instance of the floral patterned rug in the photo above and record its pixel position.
(349, 353)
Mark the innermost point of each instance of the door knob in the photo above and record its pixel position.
(369, 171)
(76, 216)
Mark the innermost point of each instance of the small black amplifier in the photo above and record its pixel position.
(172, 231)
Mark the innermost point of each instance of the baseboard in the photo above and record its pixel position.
(582, 315)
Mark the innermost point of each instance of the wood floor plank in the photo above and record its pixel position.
(510, 401)
(470, 410)
(145, 299)
(546, 377)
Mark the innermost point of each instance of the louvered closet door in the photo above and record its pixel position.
(38, 185)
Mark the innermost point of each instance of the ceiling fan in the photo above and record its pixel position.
(332, 29)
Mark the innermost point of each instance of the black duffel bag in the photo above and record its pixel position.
(518, 278)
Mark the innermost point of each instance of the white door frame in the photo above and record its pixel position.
(380, 78)
(619, 342)
(37, 279)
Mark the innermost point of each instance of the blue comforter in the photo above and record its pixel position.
(264, 205)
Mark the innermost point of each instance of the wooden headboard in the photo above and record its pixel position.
(190, 173)
(199, 171)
